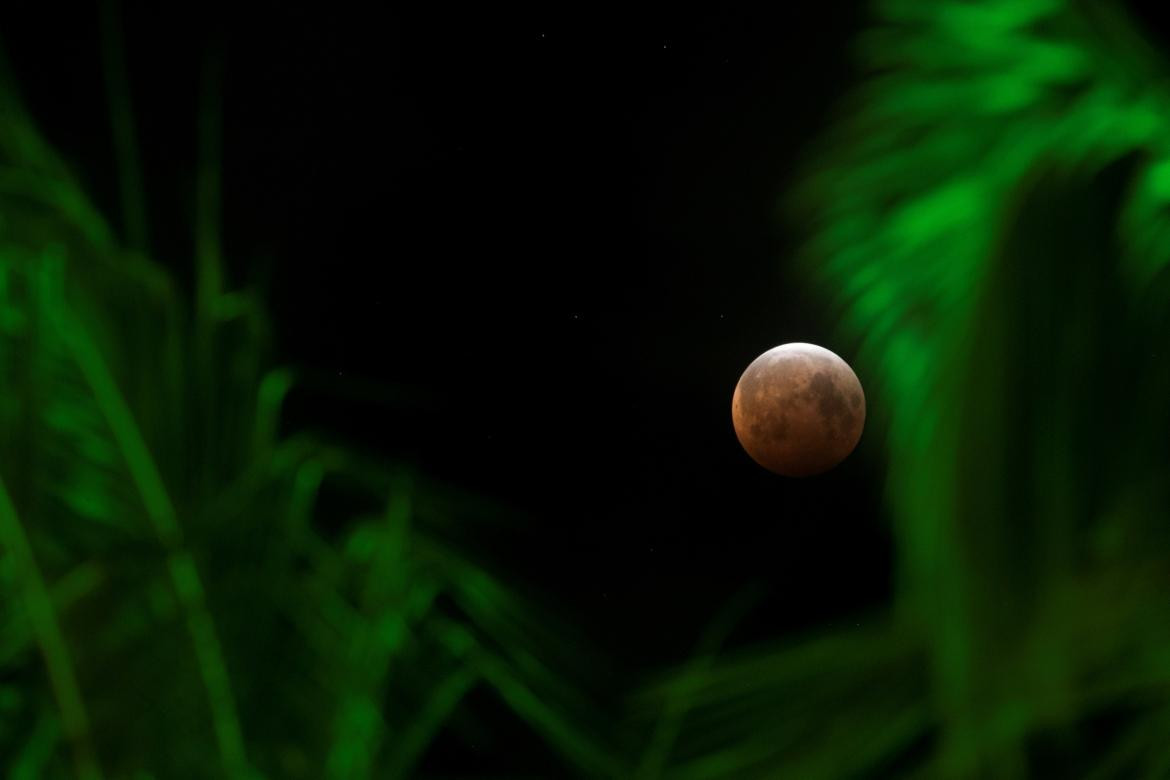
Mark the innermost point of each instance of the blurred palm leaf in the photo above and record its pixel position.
(184, 593)
(988, 219)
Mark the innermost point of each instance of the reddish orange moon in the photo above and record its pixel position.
(798, 410)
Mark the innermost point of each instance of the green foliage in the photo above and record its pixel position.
(184, 593)
(988, 220)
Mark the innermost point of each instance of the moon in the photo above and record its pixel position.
(798, 410)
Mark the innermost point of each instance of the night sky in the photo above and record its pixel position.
(550, 244)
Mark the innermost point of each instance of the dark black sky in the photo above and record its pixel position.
(555, 236)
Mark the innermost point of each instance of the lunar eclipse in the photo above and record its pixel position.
(798, 410)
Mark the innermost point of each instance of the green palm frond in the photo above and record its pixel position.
(988, 219)
(182, 592)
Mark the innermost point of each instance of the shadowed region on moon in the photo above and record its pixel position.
(798, 409)
(830, 400)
